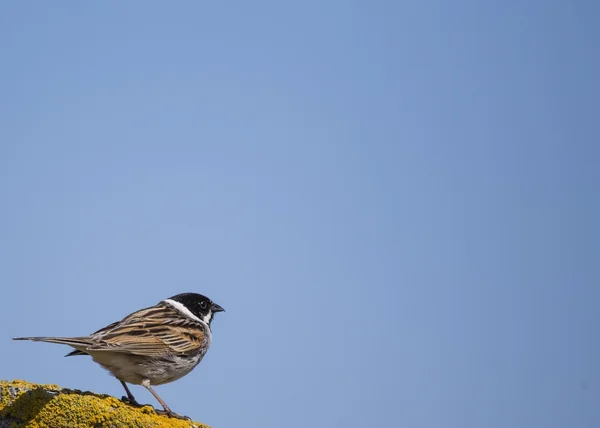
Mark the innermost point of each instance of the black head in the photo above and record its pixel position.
(199, 305)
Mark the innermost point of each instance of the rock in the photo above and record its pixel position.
(24, 404)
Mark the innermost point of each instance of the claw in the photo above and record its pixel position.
(172, 414)
(131, 402)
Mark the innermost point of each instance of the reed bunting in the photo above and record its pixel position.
(152, 346)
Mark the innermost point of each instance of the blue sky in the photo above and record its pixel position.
(396, 202)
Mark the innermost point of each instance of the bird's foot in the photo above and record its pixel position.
(131, 401)
(171, 414)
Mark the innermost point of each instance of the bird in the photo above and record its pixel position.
(152, 346)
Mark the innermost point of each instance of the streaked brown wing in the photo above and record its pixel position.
(183, 339)
(152, 332)
(151, 314)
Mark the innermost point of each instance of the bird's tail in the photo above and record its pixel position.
(76, 342)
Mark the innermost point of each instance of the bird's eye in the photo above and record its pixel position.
(203, 305)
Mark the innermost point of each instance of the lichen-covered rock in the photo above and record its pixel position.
(24, 404)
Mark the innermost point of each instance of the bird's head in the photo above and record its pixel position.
(200, 306)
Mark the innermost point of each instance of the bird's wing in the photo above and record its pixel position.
(153, 332)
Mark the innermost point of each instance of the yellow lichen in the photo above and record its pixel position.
(50, 406)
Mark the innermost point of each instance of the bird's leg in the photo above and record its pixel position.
(130, 398)
(167, 411)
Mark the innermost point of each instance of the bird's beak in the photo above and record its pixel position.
(216, 308)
